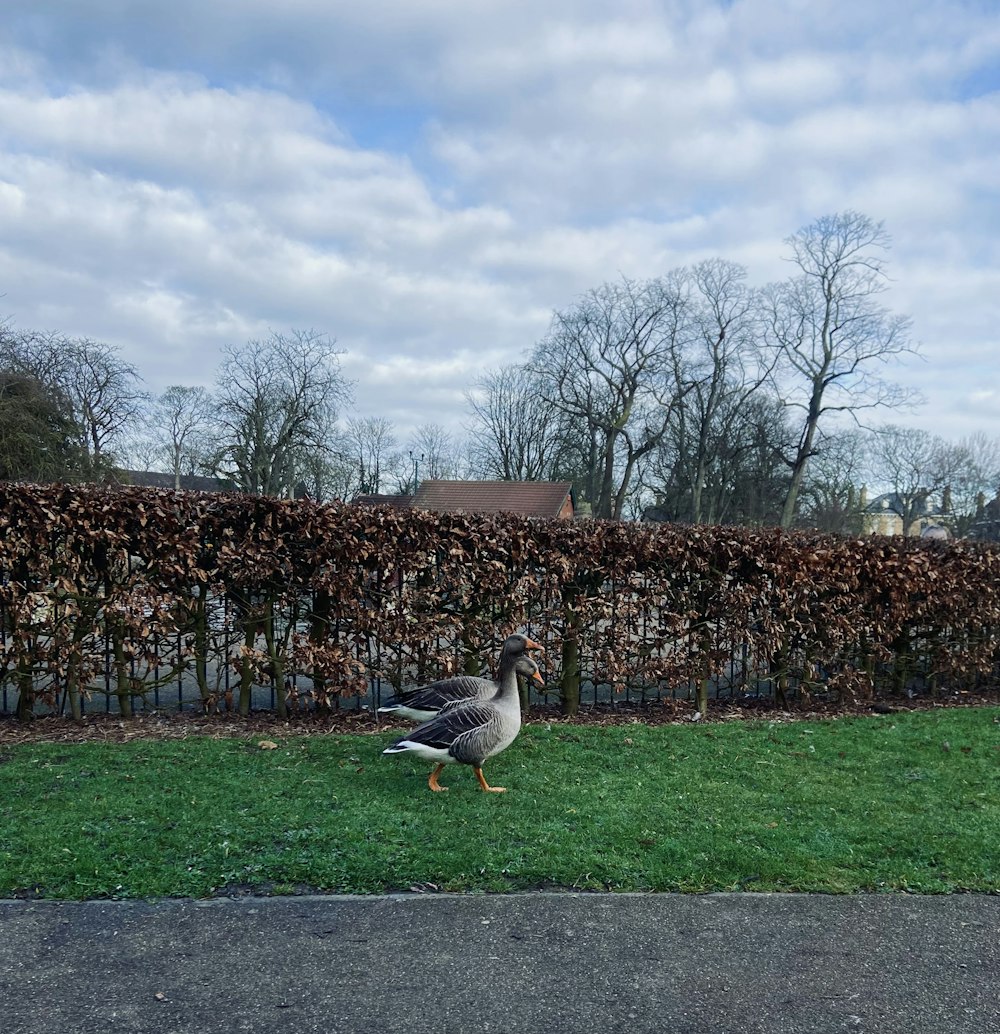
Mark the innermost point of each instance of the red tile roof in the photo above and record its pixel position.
(530, 498)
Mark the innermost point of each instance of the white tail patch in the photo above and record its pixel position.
(422, 750)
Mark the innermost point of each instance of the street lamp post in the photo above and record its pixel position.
(416, 468)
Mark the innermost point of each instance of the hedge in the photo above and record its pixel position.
(109, 589)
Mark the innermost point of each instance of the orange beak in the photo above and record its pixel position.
(537, 677)
(530, 644)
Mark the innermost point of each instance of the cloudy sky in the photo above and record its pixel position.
(426, 180)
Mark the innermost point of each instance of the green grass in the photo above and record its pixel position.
(900, 802)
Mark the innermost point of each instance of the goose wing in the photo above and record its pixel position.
(470, 732)
(455, 724)
(436, 695)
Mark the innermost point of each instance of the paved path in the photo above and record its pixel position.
(550, 963)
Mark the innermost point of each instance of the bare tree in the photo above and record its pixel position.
(605, 364)
(743, 481)
(829, 334)
(431, 453)
(916, 466)
(751, 480)
(515, 435)
(722, 370)
(277, 401)
(99, 390)
(105, 393)
(975, 481)
(371, 444)
(328, 475)
(182, 417)
(831, 490)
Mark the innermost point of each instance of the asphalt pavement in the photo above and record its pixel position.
(550, 963)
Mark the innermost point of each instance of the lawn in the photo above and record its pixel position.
(908, 801)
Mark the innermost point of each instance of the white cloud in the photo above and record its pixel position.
(176, 128)
(177, 177)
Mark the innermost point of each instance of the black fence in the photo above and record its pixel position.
(172, 675)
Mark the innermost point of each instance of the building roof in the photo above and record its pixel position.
(895, 502)
(398, 502)
(188, 482)
(529, 498)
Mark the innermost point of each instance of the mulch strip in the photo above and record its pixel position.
(173, 725)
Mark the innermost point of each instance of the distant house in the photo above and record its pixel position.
(188, 482)
(528, 498)
(885, 514)
(987, 526)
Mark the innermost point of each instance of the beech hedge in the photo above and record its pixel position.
(114, 589)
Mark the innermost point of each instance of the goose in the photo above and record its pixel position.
(470, 731)
(425, 702)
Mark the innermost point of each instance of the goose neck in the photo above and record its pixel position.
(508, 675)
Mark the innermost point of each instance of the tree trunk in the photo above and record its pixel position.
(82, 624)
(246, 677)
(570, 683)
(201, 646)
(605, 503)
(123, 687)
(73, 688)
(779, 672)
(471, 664)
(801, 459)
(26, 689)
(705, 644)
(696, 492)
(276, 662)
(319, 631)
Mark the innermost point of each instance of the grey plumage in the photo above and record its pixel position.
(469, 732)
(425, 702)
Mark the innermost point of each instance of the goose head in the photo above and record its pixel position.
(520, 644)
(527, 667)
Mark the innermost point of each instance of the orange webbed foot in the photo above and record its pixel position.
(485, 785)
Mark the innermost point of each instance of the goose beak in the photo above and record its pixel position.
(537, 677)
(530, 644)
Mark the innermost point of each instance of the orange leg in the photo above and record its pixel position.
(485, 785)
(433, 781)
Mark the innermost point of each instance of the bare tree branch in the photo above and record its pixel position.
(829, 334)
